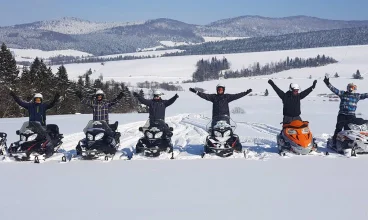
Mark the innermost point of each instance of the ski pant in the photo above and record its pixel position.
(342, 122)
(289, 119)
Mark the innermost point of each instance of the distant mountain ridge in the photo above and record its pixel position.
(102, 38)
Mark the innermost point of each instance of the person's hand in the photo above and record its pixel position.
(314, 83)
(135, 94)
(249, 91)
(120, 96)
(176, 95)
(192, 90)
(326, 80)
(270, 82)
(57, 96)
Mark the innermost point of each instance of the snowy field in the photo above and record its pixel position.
(261, 186)
(173, 69)
(31, 54)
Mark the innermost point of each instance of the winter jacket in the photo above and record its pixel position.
(221, 102)
(157, 107)
(100, 108)
(349, 100)
(36, 111)
(291, 102)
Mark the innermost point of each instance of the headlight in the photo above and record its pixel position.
(218, 134)
(90, 137)
(291, 131)
(149, 134)
(32, 137)
(354, 127)
(159, 134)
(23, 138)
(99, 136)
(305, 130)
(227, 133)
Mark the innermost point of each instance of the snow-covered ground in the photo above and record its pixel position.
(143, 53)
(263, 186)
(31, 54)
(181, 68)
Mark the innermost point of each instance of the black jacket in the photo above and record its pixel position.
(221, 102)
(157, 107)
(291, 102)
(37, 112)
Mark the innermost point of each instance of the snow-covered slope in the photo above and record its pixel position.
(181, 68)
(31, 54)
(261, 186)
(77, 26)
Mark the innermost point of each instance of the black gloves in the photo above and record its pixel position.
(314, 83)
(248, 91)
(79, 94)
(120, 96)
(192, 90)
(12, 93)
(57, 96)
(270, 82)
(326, 80)
(176, 96)
(135, 94)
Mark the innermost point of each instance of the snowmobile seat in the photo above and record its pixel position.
(296, 124)
(114, 126)
(52, 128)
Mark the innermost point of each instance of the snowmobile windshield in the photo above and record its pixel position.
(32, 126)
(222, 122)
(97, 125)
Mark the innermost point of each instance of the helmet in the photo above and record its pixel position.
(220, 86)
(294, 86)
(351, 87)
(157, 93)
(38, 95)
(99, 92)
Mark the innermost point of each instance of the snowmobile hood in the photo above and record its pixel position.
(298, 133)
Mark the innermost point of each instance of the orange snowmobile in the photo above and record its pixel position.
(296, 137)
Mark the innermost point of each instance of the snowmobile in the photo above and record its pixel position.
(36, 142)
(102, 140)
(352, 140)
(156, 139)
(221, 140)
(297, 138)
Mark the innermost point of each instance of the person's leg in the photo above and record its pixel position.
(341, 120)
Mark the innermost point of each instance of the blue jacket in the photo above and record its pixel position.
(349, 100)
(37, 112)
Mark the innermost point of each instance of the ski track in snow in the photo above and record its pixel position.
(188, 140)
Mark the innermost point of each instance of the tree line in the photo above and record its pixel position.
(214, 69)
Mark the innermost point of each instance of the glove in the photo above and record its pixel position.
(249, 91)
(326, 80)
(176, 96)
(135, 94)
(79, 94)
(12, 93)
(192, 90)
(314, 83)
(120, 96)
(270, 82)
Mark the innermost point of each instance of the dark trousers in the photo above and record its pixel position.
(289, 119)
(342, 121)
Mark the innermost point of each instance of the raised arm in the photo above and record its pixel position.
(85, 101)
(278, 91)
(142, 100)
(51, 104)
(232, 97)
(19, 101)
(171, 101)
(208, 97)
(116, 100)
(306, 92)
(332, 88)
(363, 96)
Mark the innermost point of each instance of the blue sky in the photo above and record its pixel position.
(190, 11)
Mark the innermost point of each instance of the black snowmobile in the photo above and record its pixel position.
(221, 140)
(36, 142)
(102, 140)
(156, 140)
